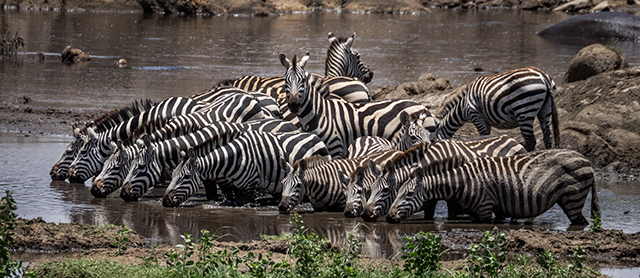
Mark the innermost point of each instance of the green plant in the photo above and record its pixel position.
(187, 249)
(597, 223)
(487, 257)
(121, 240)
(306, 249)
(343, 261)
(9, 44)
(577, 262)
(8, 266)
(422, 253)
(547, 260)
(261, 266)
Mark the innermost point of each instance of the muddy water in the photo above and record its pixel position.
(26, 162)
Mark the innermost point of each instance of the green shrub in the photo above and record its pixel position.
(423, 253)
(8, 266)
(486, 258)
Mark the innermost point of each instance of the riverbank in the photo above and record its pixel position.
(275, 7)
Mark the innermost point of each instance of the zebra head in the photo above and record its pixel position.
(185, 180)
(293, 187)
(88, 160)
(343, 60)
(113, 171)
(145, 171)
(358, 188)
(413, 130)
(409, 199)
(296, 85)
(381, 192)
(60, 170)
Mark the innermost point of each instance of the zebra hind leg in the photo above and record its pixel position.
(573, 210)
(544, 118)
(526, 129)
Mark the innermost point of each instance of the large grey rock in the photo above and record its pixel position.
(591, 60)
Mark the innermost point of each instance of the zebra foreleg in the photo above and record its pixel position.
(211, 190)
(429, 209)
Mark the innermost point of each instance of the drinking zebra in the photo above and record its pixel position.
(269, 105)
(345, 74)
(507, 100)
(98, 148)
(155, 158)
(231, 107)
(338, 123)
(322, 181)
(521, 186)
(383, 190)
(60, 170)
(250, 164)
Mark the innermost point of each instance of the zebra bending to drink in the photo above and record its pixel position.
(383, 190)
(322, 181)
(507, 100)
(521, 186)
(338, 123)
(60, 170)
(250, 164)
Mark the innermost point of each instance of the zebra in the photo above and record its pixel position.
(411, 134)
(98, 148)
(507, 100)
(269, 105)
(339, 123)
(521, 186)
(345, 74)
(394, 173)
(155, 158)
(251, 164)
(322, 181)
(364, 174)
(60, 170)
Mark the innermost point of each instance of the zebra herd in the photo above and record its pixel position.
(303, 136)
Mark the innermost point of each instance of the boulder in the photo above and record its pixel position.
(70, 55)
(428, 90)
(574, 6)
(592, 60)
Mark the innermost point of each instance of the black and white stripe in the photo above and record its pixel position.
(250, 163)
(156, 158)
(507, 100)
(322, 182)
(522, 186)
(383, 190)
(90, 159)
(338, 123)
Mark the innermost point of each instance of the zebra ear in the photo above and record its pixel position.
(147, 140)
(419, 173)
(332, 37)
(183, 156)
(373, 167)
(359, 173)
(113, 146)
(390, 167)
(76, 130)
(191, 156)
(285, 165)
(302, 165)
(344, 178)
(91, 133)
(404, 118)
(303, 61)
(349, 42)
(284, 61)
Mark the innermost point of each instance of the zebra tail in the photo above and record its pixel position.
(554, 121)
(595, 207)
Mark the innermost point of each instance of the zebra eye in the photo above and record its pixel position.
(385, 190)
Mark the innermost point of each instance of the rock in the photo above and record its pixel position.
(122, 63)
(428, 90)
(603, 6)
(40, 56)
(70, 55)
(581, 137)
(574, 6)
(592, 60)
(385, 6)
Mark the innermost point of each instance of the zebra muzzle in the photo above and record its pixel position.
(126, 193)
(97, 189)
(169, 199)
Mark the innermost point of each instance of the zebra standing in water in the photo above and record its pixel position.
(383, 190)
(156, 158)
(339, 123)
(345, 74)
(507, 100)
(322, 181)
(231, 107)
(250, 163)
(60, 170)
(522, 186)
(90, 159)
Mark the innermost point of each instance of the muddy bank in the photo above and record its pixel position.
(603, 249)
(274, 7)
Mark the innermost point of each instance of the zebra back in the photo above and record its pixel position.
(521, 186)
(250, 164)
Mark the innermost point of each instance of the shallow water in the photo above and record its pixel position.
(178, 56)
(27, 161)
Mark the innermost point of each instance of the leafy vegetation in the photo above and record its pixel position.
(8, 267)
(9, 44)
(121, 240)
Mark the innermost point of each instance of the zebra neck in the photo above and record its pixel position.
(398, 142)
(447, 185)
(312, 110)
(453, 120)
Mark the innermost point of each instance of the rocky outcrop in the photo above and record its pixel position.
(428, 90)
(592, 60)
(70, 55)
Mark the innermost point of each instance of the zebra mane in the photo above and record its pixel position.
(444, 164)
(112, 119)
(415, 150)
(452, 101)
(312, 161)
